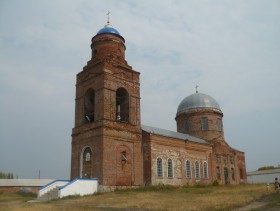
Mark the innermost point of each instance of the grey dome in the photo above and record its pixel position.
(197, 100)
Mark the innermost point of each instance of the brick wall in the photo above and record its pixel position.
(179, 151)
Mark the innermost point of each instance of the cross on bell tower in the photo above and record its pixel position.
(108, 17)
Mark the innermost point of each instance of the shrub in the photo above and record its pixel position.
(216, 183)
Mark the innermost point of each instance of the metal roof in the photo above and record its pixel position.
(270, 171)
(24, 182)
(172, 134)
(197, 100)
(108, 30)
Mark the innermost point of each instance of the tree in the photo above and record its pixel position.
(6, 175)
(266, 168)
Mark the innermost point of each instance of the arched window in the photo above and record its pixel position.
(86, 163)
(205, 170)
(204, 123)
(87, 154)
(89, 105)
(218, 172)
(220, 125)
(232, 174)
(169, 168)
(197, 174)
(186, 125)
(122, 105)
(159, 167)
(188, 169)
(226, 175)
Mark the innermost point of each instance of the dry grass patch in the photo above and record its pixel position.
(157, 198)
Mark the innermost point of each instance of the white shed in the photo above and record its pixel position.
(264, 176)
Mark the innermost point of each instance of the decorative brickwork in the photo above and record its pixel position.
(109, 143)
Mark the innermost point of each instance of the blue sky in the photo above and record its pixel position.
(231, 49)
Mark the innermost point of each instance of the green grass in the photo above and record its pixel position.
(19, 196)
(160, 197)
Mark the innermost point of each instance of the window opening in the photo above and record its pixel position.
(122, 105)
(170, 168)
(89, 105)
(186, 125)
(205, 170)
(188, 169)
(123, 157)
(197, 175)
(159, 167)
(86, 163)
(204, 122)
(218, 172)
(218, 158)
(232, 174)
(220, 125)
(226, 175)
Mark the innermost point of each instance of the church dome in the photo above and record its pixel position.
(108, 29)
(197, 100)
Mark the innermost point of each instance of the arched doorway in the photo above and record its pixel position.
(226, 175)
(86, 163)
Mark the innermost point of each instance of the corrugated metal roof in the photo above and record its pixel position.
(172, 134)
(271, 171)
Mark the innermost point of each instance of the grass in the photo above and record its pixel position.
(161, 197)
(20, 196)
(273, 202)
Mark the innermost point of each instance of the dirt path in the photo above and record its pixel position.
(264, 204)
(254, 205)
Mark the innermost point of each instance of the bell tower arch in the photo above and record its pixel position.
(107, 114)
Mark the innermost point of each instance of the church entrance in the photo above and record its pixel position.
(86, 163)
(226, 175)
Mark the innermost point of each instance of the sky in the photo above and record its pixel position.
(230, 49)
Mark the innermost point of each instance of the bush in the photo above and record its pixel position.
(216, 183)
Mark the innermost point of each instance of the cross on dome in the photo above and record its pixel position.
(196, 89)
(108, 18)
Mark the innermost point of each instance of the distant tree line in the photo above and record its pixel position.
(6, 175)
(267, 168)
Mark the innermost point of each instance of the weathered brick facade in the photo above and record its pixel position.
(109, 143)
(107, 137)
(228, 164)
(179, 151)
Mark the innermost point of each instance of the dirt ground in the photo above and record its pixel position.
(268, 203)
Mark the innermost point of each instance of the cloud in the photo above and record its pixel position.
(230, 49)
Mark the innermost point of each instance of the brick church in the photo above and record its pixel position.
(109, 142)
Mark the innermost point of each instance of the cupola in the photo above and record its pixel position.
(200, 115)
(108, 46)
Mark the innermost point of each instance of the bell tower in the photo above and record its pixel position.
(106, 139)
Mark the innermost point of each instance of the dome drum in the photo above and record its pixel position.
(103, 43)
(198, 101)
